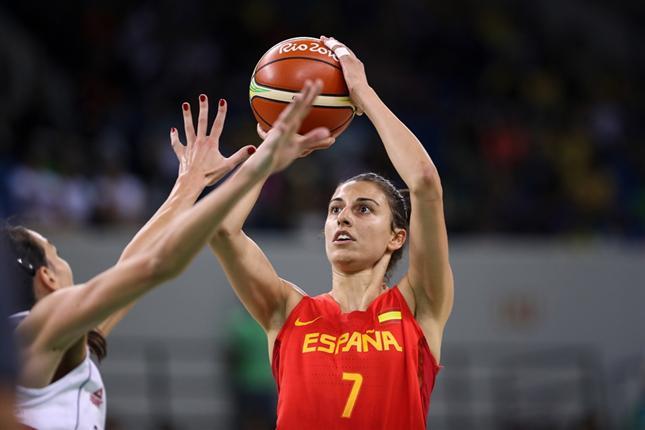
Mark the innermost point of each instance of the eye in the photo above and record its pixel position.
(364, 209)
(334, 210)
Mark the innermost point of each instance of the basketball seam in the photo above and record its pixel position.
(296, 58)
(287, 96)
(296, 92)
(285, 103)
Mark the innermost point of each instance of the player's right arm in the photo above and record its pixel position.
(248, 269)
(266, 296)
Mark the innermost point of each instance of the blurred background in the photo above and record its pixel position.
(532, 111)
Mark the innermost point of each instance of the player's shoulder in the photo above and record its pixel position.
(31, 322)
(405, 290)
(294, 297)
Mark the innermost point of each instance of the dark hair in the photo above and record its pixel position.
(25, 257)
(398, 205)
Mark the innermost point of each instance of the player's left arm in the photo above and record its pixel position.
(200, 165)
(429, 275)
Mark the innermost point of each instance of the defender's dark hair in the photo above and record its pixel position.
(25, 257)
(399, 206)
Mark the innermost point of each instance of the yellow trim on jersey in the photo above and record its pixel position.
(389, 316)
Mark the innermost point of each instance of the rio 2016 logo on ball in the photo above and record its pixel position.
(280, 75)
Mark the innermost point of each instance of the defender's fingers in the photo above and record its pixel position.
(296, 104)
(218, 124)
(311, 95)
(241, 155)
(303, 104)
(286, 118)
(202, 118)
(176, 144)
(188, 124)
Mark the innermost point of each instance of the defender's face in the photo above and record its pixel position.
(358, 229)
(56, 263)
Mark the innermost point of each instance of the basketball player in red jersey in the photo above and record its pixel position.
(363, 356)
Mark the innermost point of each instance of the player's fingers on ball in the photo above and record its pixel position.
(323, 144)
(330, 42)
(263, 134)
(313, 139)
(202, 118)
(305, 153)
(218, 124)
(326, 143)
(188, 123)
(338, 48)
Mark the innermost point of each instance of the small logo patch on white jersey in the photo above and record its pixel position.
(97, 397)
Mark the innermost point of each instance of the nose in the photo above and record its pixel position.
(344, 217)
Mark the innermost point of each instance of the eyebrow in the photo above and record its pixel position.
(360, 199)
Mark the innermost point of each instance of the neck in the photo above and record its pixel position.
(355, 291)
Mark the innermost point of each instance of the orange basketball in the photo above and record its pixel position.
(280, 75)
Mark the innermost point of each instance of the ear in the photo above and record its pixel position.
(397, 240)
(47, 280)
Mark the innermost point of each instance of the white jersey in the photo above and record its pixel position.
(74, 402)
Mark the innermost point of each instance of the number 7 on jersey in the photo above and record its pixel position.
(357, 380)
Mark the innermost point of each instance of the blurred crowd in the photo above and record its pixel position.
(531, 110)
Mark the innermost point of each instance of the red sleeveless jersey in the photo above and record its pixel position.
(359, 370)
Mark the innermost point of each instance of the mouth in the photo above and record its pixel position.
(342, 236)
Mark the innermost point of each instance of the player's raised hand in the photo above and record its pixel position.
(201, 155)
(353, 70)
(282, 144)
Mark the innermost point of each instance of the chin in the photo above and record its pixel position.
(346, 263)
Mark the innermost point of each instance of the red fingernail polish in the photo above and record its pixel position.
(173, 130)
(202, 98)
(185, 105)
(221, 102)
(251, 150)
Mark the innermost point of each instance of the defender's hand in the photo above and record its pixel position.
(281, 144)
(201, 156)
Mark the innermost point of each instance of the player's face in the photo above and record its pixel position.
(358, 229)
(58, 265)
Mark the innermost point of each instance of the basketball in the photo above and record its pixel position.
(280, 75)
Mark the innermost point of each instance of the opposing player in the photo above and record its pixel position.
(363, 356)
(60, 388)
